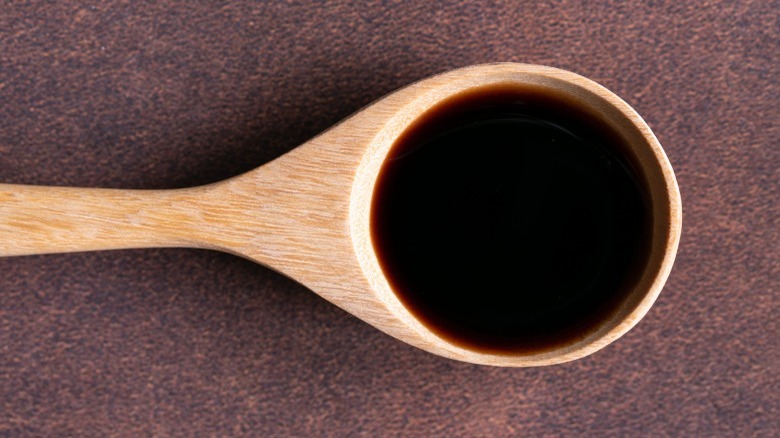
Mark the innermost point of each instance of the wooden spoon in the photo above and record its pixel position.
(306, 214)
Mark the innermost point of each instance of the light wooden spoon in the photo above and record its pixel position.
(306, 214)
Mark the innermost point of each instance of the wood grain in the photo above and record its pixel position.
(306, 214)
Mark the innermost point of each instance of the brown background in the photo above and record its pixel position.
(186, 342)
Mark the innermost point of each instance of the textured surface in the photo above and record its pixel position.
(182, 342)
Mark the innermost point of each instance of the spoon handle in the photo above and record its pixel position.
(41, 220)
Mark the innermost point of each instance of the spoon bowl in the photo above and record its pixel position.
(307, 213)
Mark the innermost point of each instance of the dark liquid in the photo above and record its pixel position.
(508, 220)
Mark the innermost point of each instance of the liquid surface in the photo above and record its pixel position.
(506, 220)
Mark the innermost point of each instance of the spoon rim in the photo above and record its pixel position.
(660, 180)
